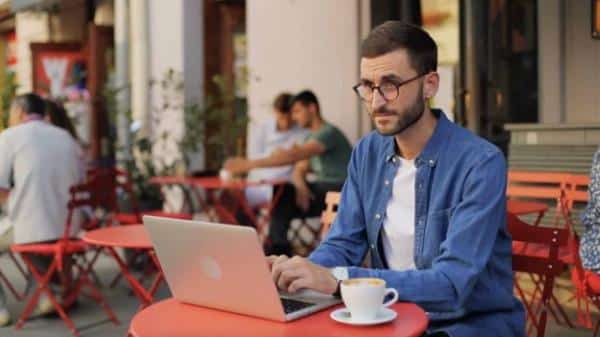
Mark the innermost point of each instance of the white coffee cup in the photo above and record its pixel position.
(364, 297)
(225, 175)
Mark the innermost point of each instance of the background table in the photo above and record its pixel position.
(172, 318)
(133, 237)
(213, 186)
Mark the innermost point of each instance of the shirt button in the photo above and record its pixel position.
(387, 182)
(377, 216)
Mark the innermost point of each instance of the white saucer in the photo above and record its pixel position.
(342, 315)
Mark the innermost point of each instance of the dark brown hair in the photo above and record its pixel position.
(30, 103)
(58, 117)
(393, 35)
(306, 98)
(282, 102)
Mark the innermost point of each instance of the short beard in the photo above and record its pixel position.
(411, 116)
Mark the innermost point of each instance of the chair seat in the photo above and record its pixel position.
(540, 250)
(69, 247)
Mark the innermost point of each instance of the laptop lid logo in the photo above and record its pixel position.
(210, 268)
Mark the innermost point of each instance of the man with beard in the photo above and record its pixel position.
(320, 166)
(423, 196)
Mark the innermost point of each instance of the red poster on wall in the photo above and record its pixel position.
(11, 51)
(58, 69)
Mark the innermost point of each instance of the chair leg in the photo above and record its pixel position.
(96, 295)
(43, 287)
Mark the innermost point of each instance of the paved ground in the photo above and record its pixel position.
(93, 323)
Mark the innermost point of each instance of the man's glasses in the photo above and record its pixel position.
(387, 89)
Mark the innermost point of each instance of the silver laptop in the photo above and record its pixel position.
(223, 267)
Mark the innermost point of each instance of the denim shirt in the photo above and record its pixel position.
(462, 251)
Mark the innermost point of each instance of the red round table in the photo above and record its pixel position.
(130, 236)
(133, 237)
(173, 318)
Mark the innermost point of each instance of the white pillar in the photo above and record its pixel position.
(551, 66)
(140, 54)
(121, 32)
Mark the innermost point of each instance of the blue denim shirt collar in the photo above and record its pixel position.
(431, 151)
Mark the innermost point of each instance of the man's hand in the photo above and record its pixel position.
(303, 197)
(237, 165)
(292, 274)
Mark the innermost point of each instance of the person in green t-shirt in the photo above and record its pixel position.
(319, 166)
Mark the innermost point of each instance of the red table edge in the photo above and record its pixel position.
(131, 332)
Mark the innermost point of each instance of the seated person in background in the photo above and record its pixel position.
(276, 134)
(325, 155)
(39, 163)
(424, 197)
(590, 240)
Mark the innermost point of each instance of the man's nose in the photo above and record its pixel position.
(378, 101)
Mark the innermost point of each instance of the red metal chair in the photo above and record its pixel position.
(546, 267)
(65, 247)
(109, 182)
(530, 187)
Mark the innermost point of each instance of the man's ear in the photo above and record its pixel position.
(431, 84)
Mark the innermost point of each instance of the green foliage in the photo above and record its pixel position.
(227, 122)
(7, 94)
(218, 124)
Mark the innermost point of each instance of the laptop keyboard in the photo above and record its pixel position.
(290, 305)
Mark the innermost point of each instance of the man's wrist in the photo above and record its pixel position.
(339, 274)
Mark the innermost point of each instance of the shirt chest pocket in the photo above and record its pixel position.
(435, 233)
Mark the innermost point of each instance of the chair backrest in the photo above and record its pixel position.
(107, 182)
(81, 196)
(332, 200)
(544, 187)
(536, 185)
(548, 267)
(577, 190)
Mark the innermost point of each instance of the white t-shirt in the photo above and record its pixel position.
(38, 164)
(266, 141)
(399, 224)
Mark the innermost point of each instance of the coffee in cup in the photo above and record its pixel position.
(364, 297)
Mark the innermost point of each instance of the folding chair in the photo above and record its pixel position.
(548, 188)
(59, 250)
(109, 182)
(546, 266)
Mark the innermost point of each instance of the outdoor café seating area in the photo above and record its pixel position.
(117, 283)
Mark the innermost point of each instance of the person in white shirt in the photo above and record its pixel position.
(273, 135)
(39, 163)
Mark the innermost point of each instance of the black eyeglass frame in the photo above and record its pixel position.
(378, 88)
